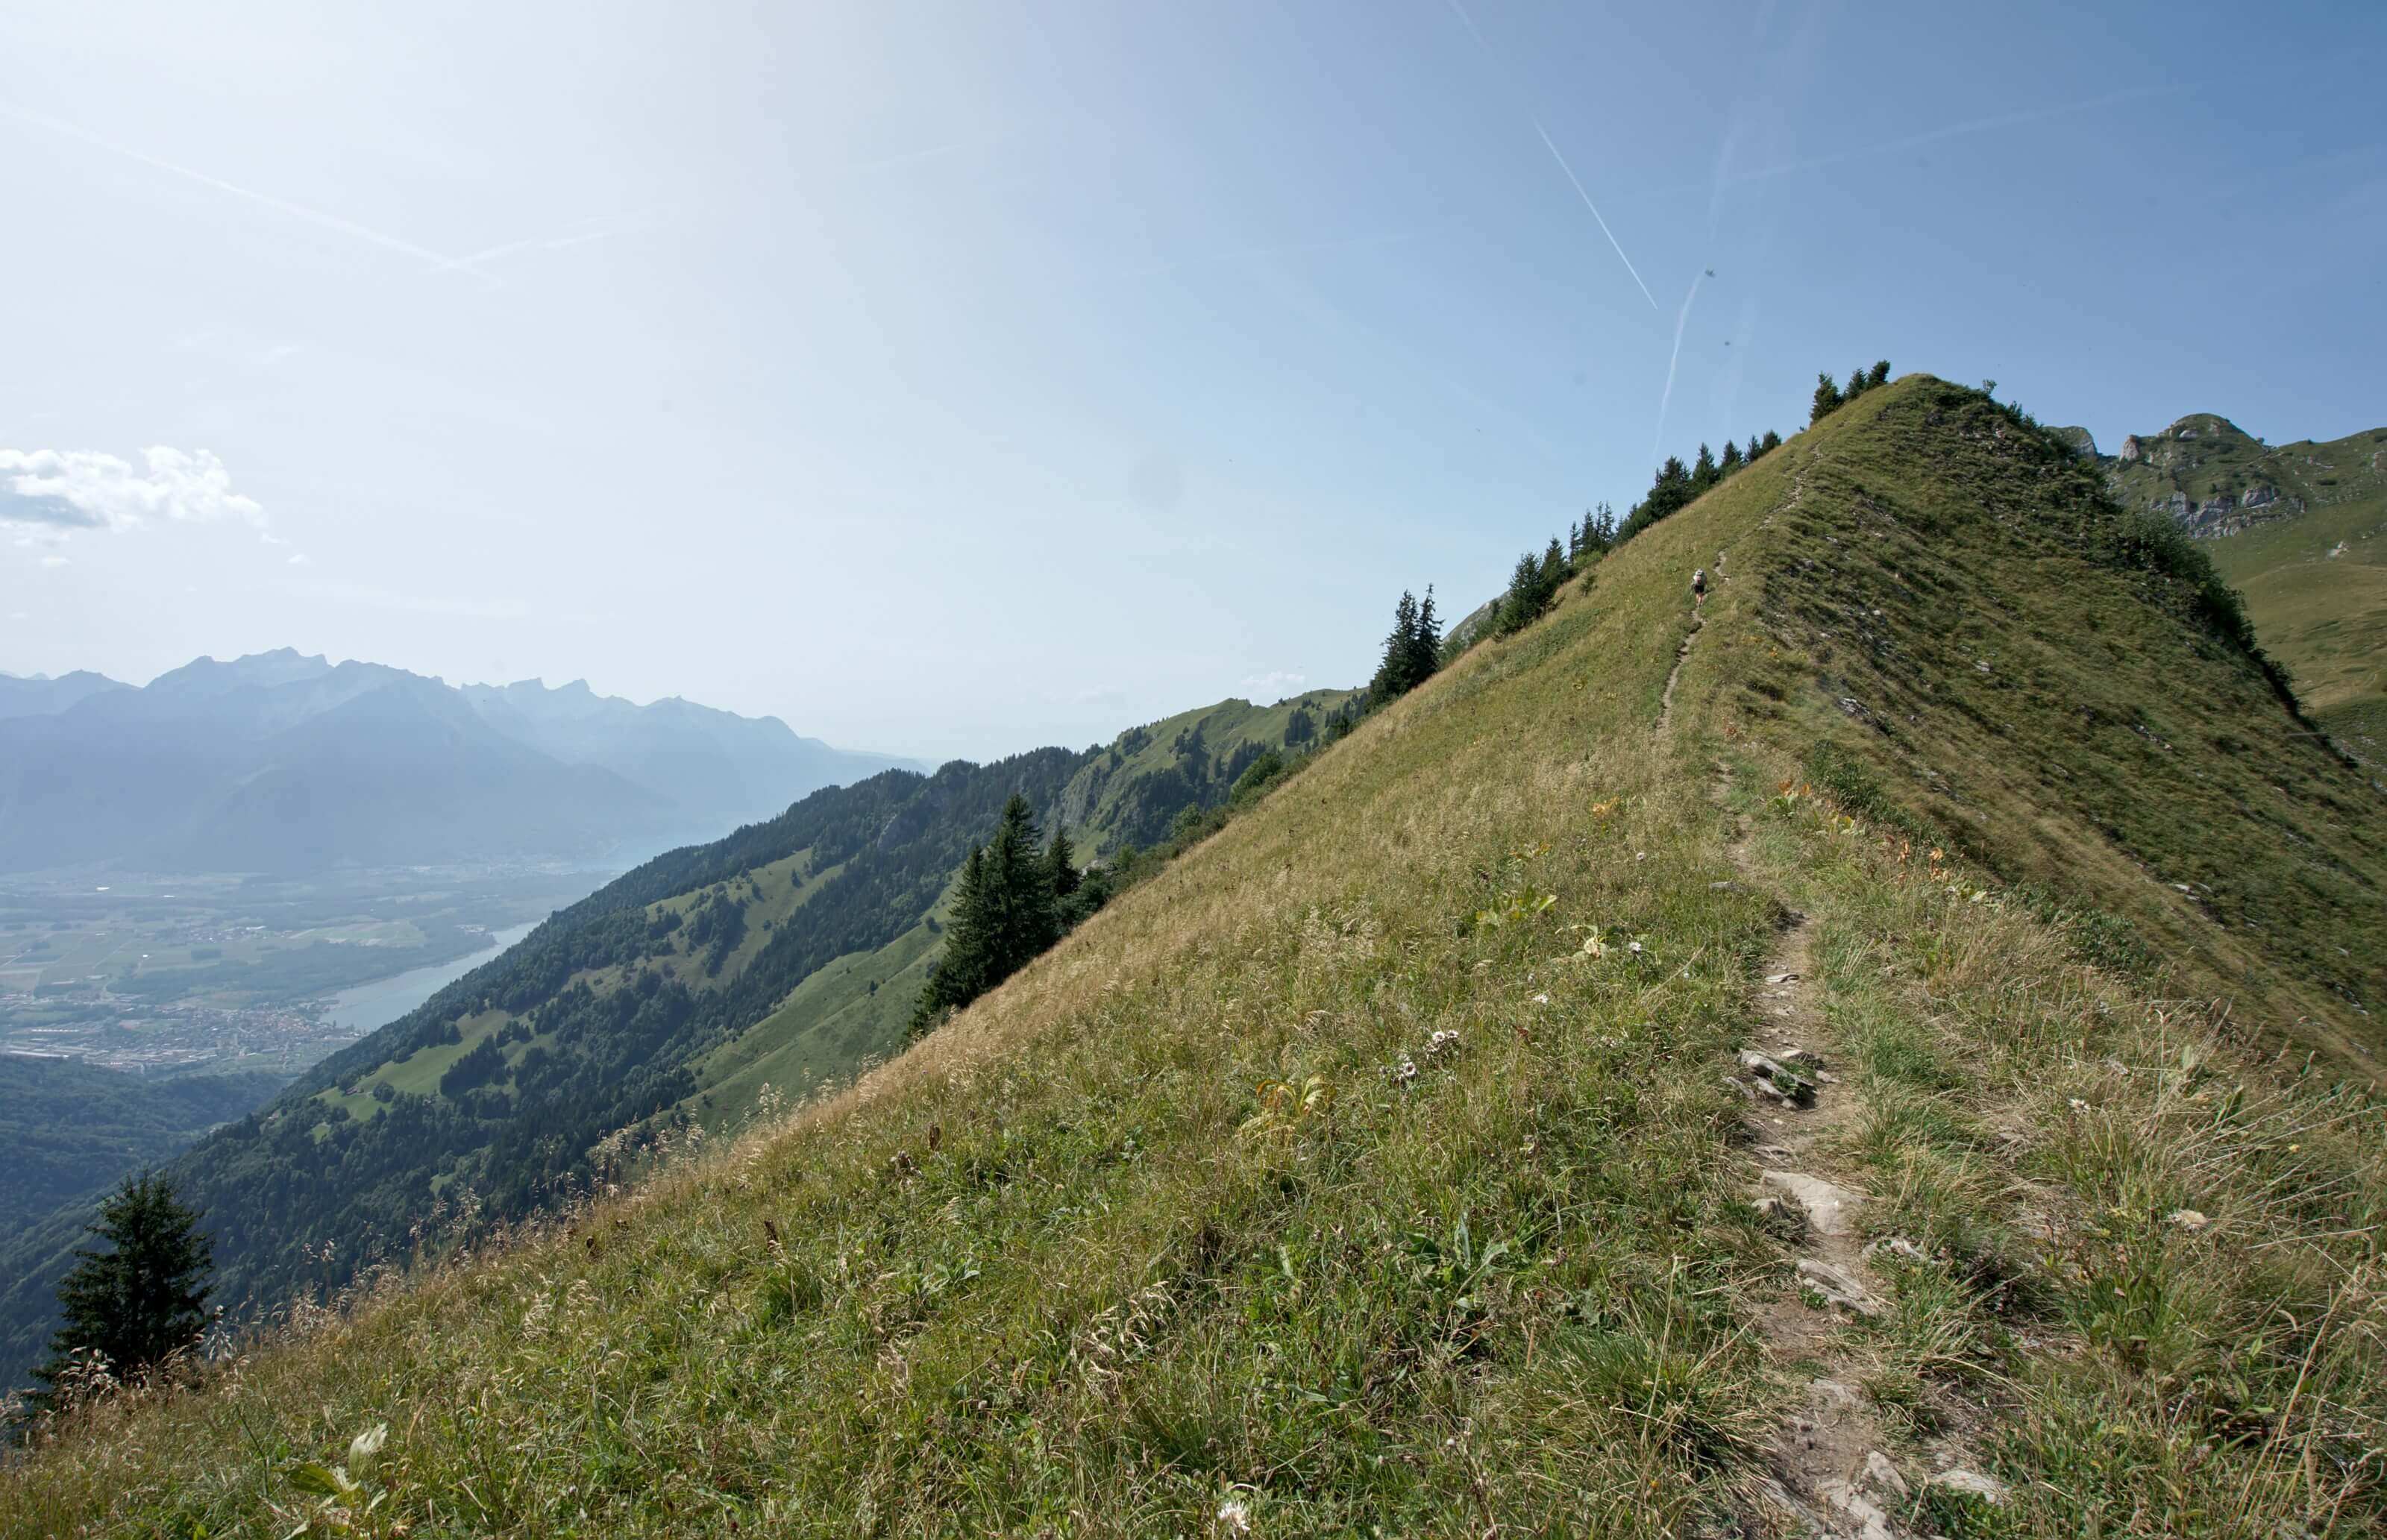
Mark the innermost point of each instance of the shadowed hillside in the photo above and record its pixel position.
(1731, 1069)
(2295, 528)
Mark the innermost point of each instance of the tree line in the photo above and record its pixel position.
(1535, 583)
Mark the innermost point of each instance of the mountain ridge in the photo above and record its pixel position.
(1411, 1154)
(209, 766)
(2295, 528)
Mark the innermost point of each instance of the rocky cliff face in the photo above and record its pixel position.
(2209, 476)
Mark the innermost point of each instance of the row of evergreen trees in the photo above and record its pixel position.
(1538, 577)
(1412, 651)
(1830, 398)
(1015, 898)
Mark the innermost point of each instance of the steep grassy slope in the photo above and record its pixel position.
(2296, 529)
(1375, 1168)
(2122, 754)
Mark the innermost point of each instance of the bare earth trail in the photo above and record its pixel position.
(1830, 1476)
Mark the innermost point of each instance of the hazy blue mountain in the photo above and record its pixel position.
(719, 768)
(39, 695)
(283, 762)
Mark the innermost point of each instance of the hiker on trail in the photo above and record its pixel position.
(1698, 586)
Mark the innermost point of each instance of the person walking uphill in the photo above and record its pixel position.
(1698, 586)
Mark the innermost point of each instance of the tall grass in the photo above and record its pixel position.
(1328, 1183)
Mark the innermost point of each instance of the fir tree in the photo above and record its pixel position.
(1061, 865)
(138, 1302)
(1729, 461)
(1400, 648)
(1828, 400)
(1755, 448)
(1412, 651)
(1531, 588)
(1878, 375)
(1425, 655)
(1773, 442)
(960, 975)
(1704, 474)
(1856, 385)
(1024, 921)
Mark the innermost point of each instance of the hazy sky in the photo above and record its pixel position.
(956, 377)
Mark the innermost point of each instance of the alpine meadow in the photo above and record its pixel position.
(1880, 1040)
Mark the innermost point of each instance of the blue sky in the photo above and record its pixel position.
(952, 378)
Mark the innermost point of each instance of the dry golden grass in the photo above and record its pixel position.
(1327, 1184)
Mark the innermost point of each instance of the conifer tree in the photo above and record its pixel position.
(1400, 650)
(1061, 865)
(1426, 653)
(1773, 442)
(959, 976)
(1878, 375)
(1704, 474)
(1729, 461)
(1006, 912)
(1856, 385)
(1754, 450)
(1026, 922)
(137, 1303)
(1828, 399)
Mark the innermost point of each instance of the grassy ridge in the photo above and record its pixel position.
(2310, 565)
(2024, 680)
(1201, 1221)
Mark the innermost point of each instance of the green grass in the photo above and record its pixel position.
(2316, 582)
(843, 1017)
(1196, 1222)
(1130, 792)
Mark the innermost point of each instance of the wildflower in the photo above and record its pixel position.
(1235, 1517)
(1441, 1040)
(1634, 947)
(1541, 1000)
(1405, 1071)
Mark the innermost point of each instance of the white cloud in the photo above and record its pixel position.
(302, 560)
(1274, 685)
(54, 561)
(57, 490)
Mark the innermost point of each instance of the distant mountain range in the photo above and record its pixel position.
(280, 762)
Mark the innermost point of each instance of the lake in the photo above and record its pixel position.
(385, 1000)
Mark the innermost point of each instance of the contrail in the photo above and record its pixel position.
(1468, 22)
(1595, 213)
(1932, 136)
(297, 211)
(1681, 319)
(580, 235)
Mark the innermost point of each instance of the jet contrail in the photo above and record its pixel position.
(1595, 213)
(577, 236)
(1665, 398)
(297, 211)
(1932, 136)
(1547, 142)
